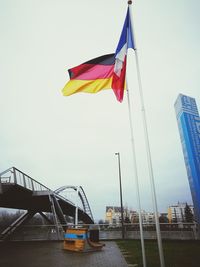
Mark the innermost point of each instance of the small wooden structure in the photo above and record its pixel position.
(78, 239)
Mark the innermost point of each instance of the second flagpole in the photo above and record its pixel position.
(136, 181)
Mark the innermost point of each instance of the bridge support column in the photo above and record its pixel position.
(57, 214)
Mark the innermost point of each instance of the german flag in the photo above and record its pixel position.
(92, 76)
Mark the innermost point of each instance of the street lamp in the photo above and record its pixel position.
(120, 186)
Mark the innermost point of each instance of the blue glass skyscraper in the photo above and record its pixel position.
(189, 128)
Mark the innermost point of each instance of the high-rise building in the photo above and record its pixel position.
(189, 128)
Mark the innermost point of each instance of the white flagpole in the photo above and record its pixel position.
(136, 181)
(153, 191)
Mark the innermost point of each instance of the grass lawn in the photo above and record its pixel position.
(176, 253)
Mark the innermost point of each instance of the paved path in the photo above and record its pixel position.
(52, 254)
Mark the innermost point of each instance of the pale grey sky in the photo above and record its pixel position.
(72, 140)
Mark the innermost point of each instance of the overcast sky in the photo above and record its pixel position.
(72, 140)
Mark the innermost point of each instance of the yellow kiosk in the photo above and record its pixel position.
(81, 239)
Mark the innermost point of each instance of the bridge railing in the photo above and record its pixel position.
(15, 176)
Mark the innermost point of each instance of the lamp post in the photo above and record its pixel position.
(120, 186)
(76, 210)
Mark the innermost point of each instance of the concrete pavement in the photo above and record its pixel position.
(52, 254)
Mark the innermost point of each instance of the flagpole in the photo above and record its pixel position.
(153, 191)
(136, 181)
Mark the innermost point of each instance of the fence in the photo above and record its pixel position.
(110, 232)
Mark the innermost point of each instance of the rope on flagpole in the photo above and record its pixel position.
(153, 191)
(136, 180)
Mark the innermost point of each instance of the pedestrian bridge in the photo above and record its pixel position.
(19, 191)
